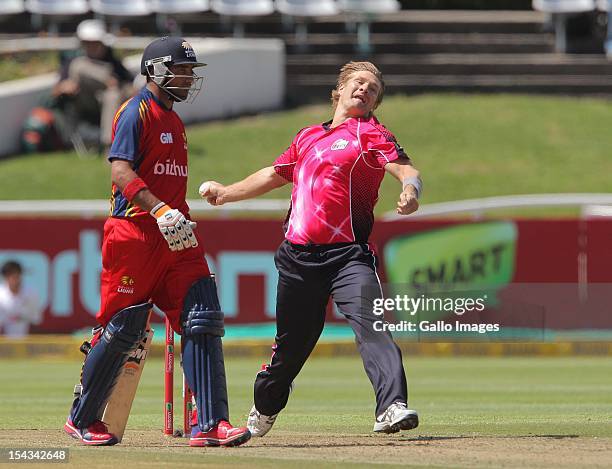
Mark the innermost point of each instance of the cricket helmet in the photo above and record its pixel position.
(165, 52)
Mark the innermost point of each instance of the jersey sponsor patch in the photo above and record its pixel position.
(166, 138)
(126, 285)
(339, 144)
(170, 168)
(127, 280)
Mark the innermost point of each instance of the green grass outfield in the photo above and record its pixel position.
(518, 412)
(465, 145)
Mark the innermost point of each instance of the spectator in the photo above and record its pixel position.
(19, 306)
(91, 87)
(608, 40)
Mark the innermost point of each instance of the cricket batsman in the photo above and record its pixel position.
(336, 169)
(150, 254)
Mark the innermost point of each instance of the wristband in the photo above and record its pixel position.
(413, 181)
(158, 208)
(133, 187)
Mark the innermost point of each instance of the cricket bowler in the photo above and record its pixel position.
(336, 169)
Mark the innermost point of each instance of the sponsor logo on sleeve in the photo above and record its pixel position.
(126, 285)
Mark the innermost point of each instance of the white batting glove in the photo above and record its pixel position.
(175, 228)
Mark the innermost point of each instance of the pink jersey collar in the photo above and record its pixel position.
(350, 122)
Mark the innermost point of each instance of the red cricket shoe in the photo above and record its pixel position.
(95, 435)
(223, 434)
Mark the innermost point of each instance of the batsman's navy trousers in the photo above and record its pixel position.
(308, 276)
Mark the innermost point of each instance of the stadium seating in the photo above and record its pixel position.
(57, 7)
(179, 6)
(303, 10)
(54, 10)
(367, 11)
(120, 7)
(237, 8)
(11, 7)
(563, 6)
(370, 6)
(242, 7)
(560, 10)
(169, 12)
(306, 7)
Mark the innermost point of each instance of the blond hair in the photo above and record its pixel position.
(347, 71)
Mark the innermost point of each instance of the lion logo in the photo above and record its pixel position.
(188, 49)
(127, 280)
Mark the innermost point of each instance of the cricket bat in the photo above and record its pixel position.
(119, 404)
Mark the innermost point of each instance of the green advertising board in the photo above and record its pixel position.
(469, 260)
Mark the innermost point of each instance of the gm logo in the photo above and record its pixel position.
(165, 138)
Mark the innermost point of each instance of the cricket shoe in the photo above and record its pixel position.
(96, 434)
(222, 434)
(258, 423)
(397, 417)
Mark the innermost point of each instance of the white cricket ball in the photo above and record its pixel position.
(204, 188)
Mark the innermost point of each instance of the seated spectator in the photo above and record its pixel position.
(93, 83)
(19, 306)
(608, 40)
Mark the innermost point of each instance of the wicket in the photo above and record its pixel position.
(169, 391)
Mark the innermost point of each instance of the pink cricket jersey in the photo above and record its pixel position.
(336, 174)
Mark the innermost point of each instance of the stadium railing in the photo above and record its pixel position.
(479, 206)
(598, 204)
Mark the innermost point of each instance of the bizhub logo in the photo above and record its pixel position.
(170, 168)
(166, 138)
